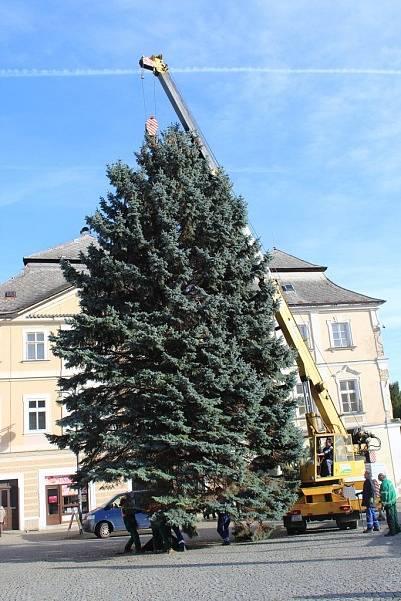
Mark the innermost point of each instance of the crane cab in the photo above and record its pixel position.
(340, 464)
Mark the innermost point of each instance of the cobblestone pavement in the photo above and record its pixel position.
(320, 565)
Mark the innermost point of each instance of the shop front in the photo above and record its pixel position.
(62, 499)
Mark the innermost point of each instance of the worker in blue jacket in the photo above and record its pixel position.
(368, 501)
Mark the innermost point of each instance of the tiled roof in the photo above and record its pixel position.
(42, 276)
(281, 261)
(68, 250)
(311, 286)
(323, 291)
(37, 282)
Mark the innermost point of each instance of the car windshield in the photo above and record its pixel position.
(142, 499)
(113, 502)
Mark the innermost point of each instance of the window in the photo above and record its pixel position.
(35, 346)
(350, 396)
(35, 414)
(287, 288)
(304, 329)
(299, 397)
(341, 334)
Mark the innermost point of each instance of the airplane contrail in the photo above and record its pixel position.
(65, 72)
(124, 72)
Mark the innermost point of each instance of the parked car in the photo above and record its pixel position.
(108, 518)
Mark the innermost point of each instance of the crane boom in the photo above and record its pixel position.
(309, 374)
(156, 64)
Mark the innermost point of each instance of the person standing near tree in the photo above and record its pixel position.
(388, 497)
(223, 524)
(223, 517)
(131, 525)
(368, 500)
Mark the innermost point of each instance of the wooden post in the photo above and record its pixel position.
(75, 516)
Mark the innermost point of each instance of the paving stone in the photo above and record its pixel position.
(317, 566)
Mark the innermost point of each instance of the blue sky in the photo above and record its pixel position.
(312, 142)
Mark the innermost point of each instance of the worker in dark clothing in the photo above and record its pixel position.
(207, 512)
(180, 542)
(388, 497)
(131, 525)
(161, 532)
(223, 523)
(163, 537)
(326, 466)
(368, 501)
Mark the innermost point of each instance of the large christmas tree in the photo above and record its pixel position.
(180, 380)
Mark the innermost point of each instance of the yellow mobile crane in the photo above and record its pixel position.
(321, 497)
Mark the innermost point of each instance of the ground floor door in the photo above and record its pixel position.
(53, 505)
(9, 500)
(5, 501)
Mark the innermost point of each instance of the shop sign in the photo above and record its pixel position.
(58, 479)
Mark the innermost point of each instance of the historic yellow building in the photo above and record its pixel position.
(340, 326)
(35, 476)
(342, 330)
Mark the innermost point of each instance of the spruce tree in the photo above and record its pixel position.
(180, 381)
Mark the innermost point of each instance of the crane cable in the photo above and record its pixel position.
(142, 76)
(154, 96)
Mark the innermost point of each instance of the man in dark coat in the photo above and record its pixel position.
(130, 523)
(368, 501)
(223, 523)
(326, 455)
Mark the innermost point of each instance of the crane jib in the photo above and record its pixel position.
(160, 70)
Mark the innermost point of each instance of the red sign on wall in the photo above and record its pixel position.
(58, 479)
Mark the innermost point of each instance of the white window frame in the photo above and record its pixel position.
(307, 338)
(357, 390)
(336, 323)
(45, 343)
(28, 410)
(298, 394)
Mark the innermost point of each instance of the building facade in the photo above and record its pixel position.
(342, 330)
(35, 476)
(340, 326)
